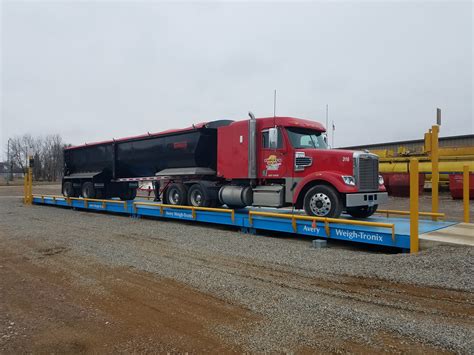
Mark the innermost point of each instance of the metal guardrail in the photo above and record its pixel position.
(192, 208)
(325, 220)
(86, 200)
(407, 213)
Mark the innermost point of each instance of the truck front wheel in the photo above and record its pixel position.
(362, 211)
(323, 201)
(176, 194)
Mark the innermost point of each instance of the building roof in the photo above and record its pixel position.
(467, 137)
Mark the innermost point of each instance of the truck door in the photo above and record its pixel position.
(272, 162)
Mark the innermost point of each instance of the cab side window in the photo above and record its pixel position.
(266, 141)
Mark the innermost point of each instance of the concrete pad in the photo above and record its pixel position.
(458, 234)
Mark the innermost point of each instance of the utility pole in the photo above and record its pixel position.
(9, 163)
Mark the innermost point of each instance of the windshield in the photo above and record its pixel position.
(306, 138)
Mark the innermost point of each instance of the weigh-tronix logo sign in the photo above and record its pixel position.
(351, 235)
(363, 236)
(178, 214)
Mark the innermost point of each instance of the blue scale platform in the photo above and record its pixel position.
(240, 219)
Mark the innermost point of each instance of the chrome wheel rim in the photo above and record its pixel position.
(196, 198)
(173, 196)
(320, 204)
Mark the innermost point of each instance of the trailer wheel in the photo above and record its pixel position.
(176, 194)
(68, 189)
(362, 211)
(88, 190)
(323, 201)
(198, 196)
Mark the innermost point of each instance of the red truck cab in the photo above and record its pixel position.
(290, 163)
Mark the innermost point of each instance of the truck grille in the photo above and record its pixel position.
(367, 172)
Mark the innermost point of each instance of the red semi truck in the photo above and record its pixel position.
(272, 162)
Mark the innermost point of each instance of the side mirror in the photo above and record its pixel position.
(273, 137)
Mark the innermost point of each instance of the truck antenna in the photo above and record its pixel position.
(327, 123)
(274, 108)
(274, 102)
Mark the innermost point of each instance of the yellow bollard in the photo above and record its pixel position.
(414, 205)
(434, 170)
(465, 192)
(30, 186)
(25, 188)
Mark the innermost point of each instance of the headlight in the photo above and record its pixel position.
(349, 180)
(381, 180)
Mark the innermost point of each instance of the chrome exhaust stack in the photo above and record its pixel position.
(252, 150)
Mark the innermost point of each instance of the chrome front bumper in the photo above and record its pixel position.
(366, 199)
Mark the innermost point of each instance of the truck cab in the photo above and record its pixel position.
(295, 167)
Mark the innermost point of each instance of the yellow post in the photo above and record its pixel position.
(30, 185)
(25, 188)
(414, 205)
(465, 192)
(434, 170)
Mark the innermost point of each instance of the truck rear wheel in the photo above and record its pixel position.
(198, 196)
(176, 194)
(88, 190)
(362, 211)
(323, 201)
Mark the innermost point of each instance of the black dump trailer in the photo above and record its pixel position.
(113, 168)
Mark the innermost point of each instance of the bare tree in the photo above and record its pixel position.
(47, 152)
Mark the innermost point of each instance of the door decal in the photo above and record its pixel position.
(272, 162)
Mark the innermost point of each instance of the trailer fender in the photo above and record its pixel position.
(331, 178)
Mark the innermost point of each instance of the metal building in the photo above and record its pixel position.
(417, 144)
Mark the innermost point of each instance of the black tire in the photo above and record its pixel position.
(88, 190)
(128, 195)
(362, 211)
(323, 201)
(198, 196)
(176, 194)
(68, 190)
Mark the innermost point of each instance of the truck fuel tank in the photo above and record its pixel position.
(236, 196)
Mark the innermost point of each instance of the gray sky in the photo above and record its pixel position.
(93, 70)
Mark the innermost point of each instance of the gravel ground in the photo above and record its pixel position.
(337, 299)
